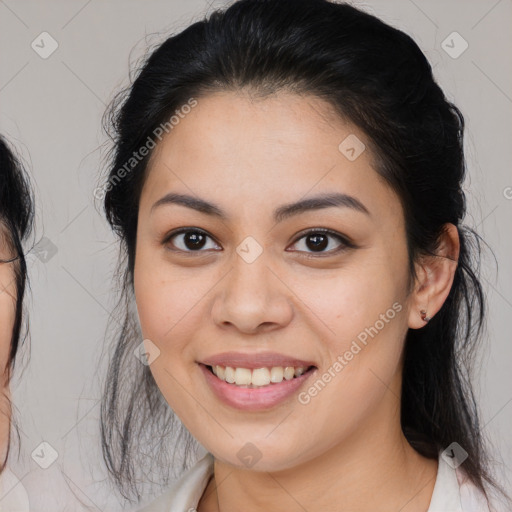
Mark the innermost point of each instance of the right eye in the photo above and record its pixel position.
(187, 240)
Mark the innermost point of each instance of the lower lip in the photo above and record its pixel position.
(254, 399)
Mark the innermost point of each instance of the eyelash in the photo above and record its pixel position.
(345, 242)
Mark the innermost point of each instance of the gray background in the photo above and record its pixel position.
(51, 109)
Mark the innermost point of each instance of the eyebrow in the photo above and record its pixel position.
(283, 212)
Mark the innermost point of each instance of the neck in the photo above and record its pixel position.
(374, 469)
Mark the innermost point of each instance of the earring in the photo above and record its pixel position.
(424, 316)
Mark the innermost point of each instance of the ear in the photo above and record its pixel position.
(435, 276)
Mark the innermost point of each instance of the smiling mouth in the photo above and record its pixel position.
(258, 377)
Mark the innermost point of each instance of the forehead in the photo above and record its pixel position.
(281, 145)
(281, 122)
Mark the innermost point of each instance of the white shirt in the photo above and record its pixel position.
(453, 492)
(13, 496)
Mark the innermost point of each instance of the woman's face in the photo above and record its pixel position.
(254, 291)
(7, 316)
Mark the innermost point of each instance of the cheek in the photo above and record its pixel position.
(367, 324)
(169, 302)
(7, 314)
(357, 296)
(165, 306)
(364, 307)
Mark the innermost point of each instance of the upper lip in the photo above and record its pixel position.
(252, 361)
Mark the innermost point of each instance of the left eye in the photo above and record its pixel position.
(318, 240)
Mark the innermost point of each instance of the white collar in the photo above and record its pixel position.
(186, 493)
(446, 494)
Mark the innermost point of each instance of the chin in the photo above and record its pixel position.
(259, 456)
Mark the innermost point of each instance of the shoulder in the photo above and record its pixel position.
(185, 493)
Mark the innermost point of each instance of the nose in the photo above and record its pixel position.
(253, 298)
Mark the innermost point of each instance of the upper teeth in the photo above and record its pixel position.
(259, 376)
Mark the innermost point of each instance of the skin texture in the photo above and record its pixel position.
(344, 450)
(7, 315)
